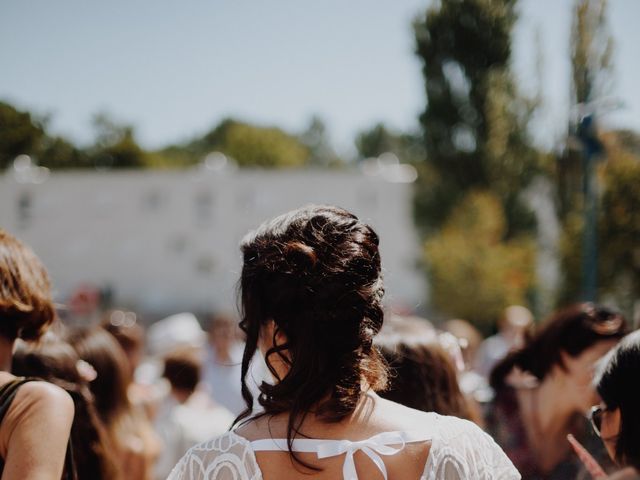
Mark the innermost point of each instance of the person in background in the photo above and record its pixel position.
(32, 413)
(616, 420)
(57, 362)
(135, 444)
(544, 390)
(513, 326)
(423, 374)
(188, 415)
(223, 363)
(126, 329)
(473, 385)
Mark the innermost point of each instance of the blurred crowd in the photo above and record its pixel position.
(142, 397)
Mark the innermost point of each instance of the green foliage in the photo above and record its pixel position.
(475, 122)
(591, 50)
(378, 139)
(19, 134)
(252, 146)
(618, 229)
(115, 145)
(316, 139)
(58, 153)
(474, 272)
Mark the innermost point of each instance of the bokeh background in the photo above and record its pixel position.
(494, 144)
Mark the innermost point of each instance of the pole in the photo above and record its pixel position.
(592, 148)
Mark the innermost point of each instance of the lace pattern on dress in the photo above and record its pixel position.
(460, 450)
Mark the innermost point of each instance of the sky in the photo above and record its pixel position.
(175, 70)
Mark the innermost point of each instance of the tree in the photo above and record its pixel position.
(316, 139)
(251, 145)
(115, 145)
(379, 139)
(475, 121)
(591, 79)
(619, 230)
(20, 134)
(474, 272)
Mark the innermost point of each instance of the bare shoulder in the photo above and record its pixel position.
(261, 427)
(395, 416)
(45, 396)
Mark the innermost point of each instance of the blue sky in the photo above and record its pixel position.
(175, 70)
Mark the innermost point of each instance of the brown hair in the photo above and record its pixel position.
(98, 347)
(57, 362)
(571, 330)
(423, 375)
(182, 370)
(316, 273)
(26, 309)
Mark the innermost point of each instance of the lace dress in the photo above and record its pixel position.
(459, 450)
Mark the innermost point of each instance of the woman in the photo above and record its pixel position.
(134, 443)
(311, 292)
(617, 419)
(31, 412)
(544, 390)
(57, 362)
(424, 374)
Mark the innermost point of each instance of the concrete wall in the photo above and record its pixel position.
(168, 241)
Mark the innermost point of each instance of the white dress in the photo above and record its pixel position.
(459, 450)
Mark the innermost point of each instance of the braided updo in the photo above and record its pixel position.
(316, 273)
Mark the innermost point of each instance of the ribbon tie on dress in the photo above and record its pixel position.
(373, 447)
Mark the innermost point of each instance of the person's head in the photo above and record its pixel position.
(469, 336)
(98, 347)
(618, 417)
(26, 308)
(182, 370)
(568, 344)
(55, 361)
(126, 329)
(223, 332)
(311, 291)
(514, 323)
(423, 373)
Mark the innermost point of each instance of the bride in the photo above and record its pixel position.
(311, 291)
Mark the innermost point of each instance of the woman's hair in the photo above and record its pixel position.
(26, 309)
(316, 273)
(56, 362)
(125, 327)
(129, 430)
(423, 375)
(571, 330)
(617, 383)
(100, 349)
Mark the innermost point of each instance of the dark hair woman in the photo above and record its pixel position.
(617, 418)
(57, 362)
(134, 443)
(31, 412)
(311, 292)
(544, 390)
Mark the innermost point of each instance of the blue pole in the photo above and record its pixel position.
(592, 147)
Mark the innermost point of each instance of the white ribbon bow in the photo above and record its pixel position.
(373, 447)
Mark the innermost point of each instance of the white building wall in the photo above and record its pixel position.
(168, 241)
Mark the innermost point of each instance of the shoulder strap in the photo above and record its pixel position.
(373, 447)
(8, 392)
